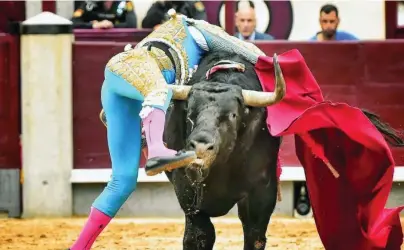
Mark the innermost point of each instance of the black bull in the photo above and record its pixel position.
(239, 155)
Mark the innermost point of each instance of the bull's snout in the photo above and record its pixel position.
(201, 145)
(205, 148)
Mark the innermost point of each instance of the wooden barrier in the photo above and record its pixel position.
(116, 35)
(89, 134)
(369, 75)
(10, 160)
(9, 102)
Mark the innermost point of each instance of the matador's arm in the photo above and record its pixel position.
(216, 39)
(219, 40)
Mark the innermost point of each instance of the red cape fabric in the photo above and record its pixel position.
(349, 211)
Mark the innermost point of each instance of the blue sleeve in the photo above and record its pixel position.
(343, 35)
(351, 37)
(169, 75)
(268, 37)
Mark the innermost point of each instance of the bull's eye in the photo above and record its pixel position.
(232, 116)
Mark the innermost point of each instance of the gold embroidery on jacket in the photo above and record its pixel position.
(139, 68)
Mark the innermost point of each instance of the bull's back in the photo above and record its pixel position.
(210, 60)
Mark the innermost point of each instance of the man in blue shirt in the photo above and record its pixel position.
(329, 22)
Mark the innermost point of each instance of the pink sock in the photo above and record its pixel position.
(96, 222)
(153, 126)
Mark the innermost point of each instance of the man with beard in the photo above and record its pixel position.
(329, 22)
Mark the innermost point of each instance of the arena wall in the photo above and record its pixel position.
(364, 74)
(9, 102)
(159, 200)
(10, 160)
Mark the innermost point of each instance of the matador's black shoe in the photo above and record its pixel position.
(157, 165)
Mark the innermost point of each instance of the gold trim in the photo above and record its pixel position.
(162, 59)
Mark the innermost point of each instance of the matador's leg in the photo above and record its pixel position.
(123, 134)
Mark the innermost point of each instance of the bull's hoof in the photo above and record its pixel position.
(157, 165)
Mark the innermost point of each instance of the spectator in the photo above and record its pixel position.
(246, 23)
(157, 14)
(104, 15)
(329, 22)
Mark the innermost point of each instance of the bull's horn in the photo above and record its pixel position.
(180, 92)
(263, 99)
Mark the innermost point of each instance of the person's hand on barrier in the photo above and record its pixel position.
(97, 25)
(107, 24)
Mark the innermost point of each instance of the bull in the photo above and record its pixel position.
(222, 117)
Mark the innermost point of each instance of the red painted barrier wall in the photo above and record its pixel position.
(368, 75)
(9, 102)
(11, 11)
(89, 60)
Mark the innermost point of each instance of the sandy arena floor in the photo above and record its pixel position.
(142, 234)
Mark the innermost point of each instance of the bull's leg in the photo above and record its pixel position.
(255, 212)
(199, 232)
